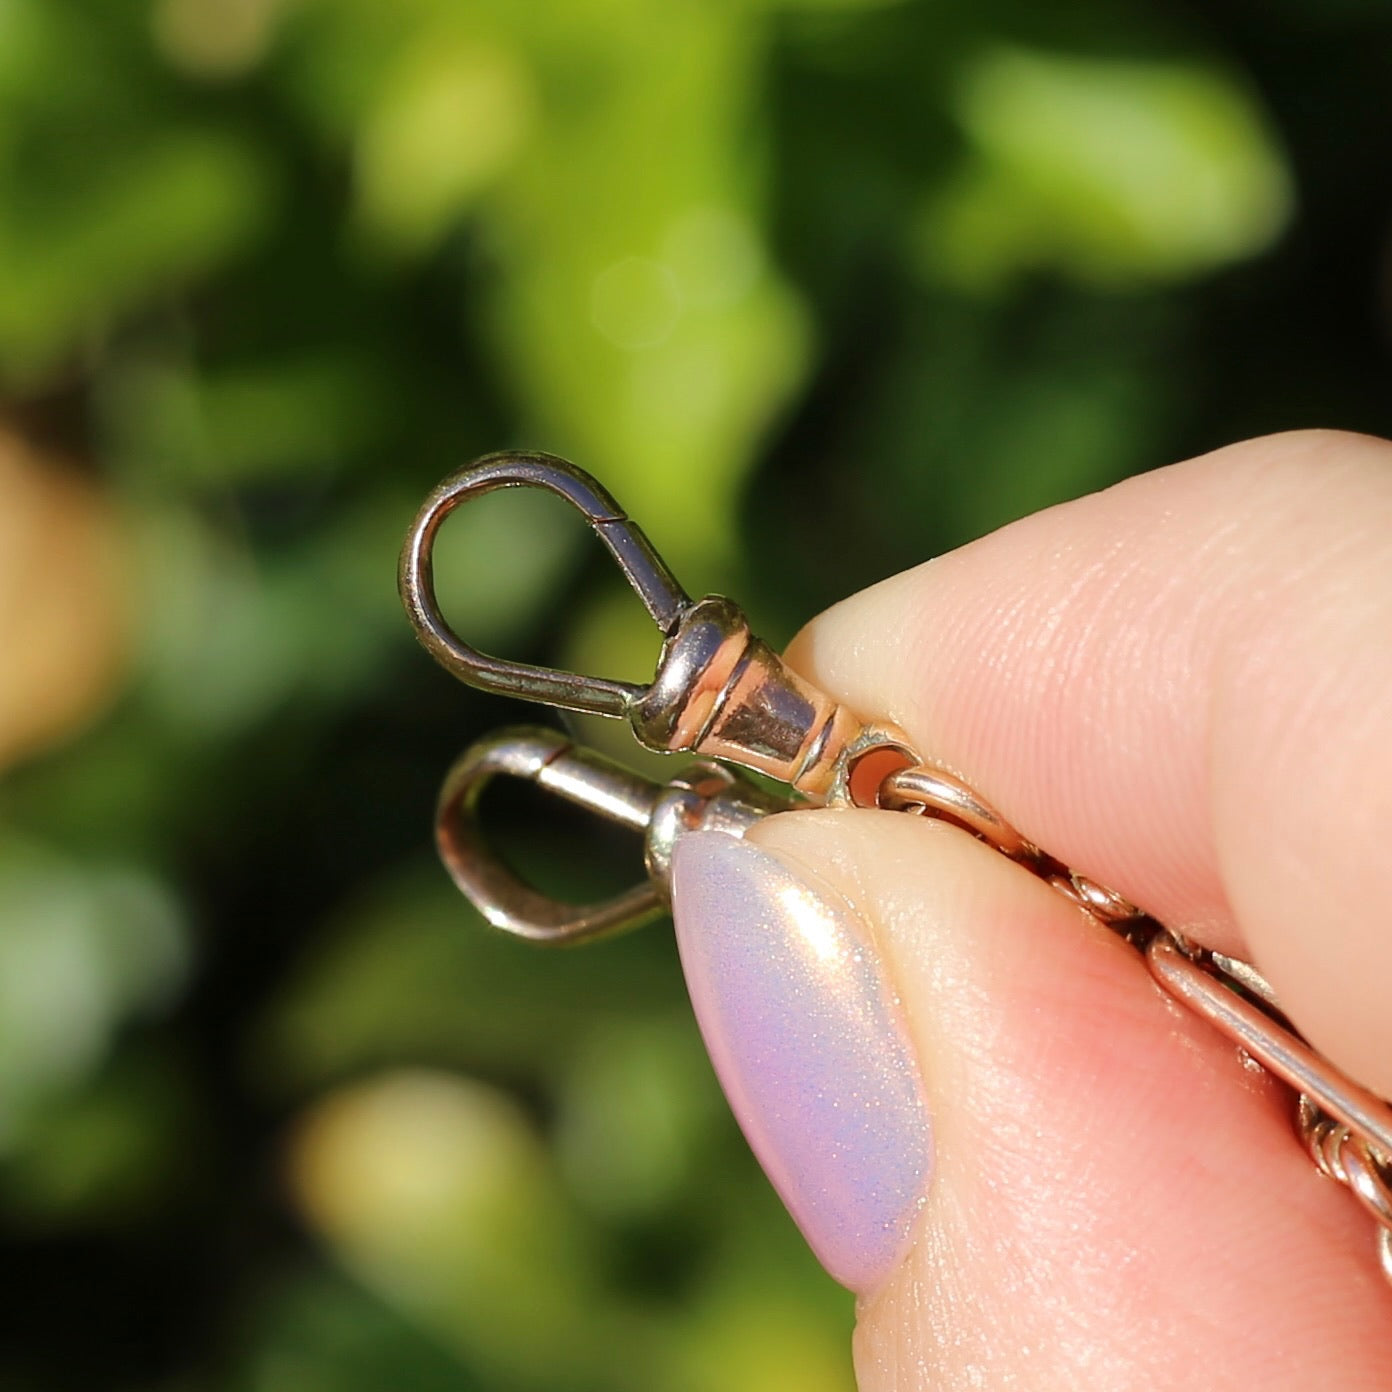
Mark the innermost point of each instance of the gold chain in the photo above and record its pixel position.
(1332, 1115)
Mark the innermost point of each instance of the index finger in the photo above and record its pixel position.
(1180, 687)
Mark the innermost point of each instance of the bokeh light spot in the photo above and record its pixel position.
(715, 255)
(216, 38)
(449, 121)
(636, 303)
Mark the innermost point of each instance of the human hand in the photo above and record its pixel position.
(1179, 687)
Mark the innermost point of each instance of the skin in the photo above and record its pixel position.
(1180, 687)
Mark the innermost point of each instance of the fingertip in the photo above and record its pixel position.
(1172, 686)
(1115, 1201)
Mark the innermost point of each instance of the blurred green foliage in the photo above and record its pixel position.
(819, 288)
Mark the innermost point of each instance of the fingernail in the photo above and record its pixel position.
(808, 1042)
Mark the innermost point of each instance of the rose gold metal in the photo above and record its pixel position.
(1347, 1128)
(549, 760)
(933, 792)
(1278, 1049)
(721, 691)
(704, 796)
(718, 690)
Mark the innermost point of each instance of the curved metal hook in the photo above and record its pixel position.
(662, 596)
(702, 797)
(549, 760)
(718, 690)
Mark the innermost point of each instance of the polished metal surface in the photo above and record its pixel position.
(717, 690)
(704, 797)
(932, 792)
(550, 761)
(1204, 989)
(721, 691)
(663, 598)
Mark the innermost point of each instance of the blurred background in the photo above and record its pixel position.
(819, 288)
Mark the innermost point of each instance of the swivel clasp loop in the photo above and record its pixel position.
(644, 569)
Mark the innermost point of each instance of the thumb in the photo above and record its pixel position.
(1033, 1168)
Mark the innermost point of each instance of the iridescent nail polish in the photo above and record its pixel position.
(808, 1042)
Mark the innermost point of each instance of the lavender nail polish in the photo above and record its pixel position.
(808, 1044)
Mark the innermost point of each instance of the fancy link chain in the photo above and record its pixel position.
(1337, 1149)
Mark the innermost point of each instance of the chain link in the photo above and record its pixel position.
(1346, 1130)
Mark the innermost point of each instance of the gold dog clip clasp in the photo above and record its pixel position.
(704, 796)
(718, 690)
